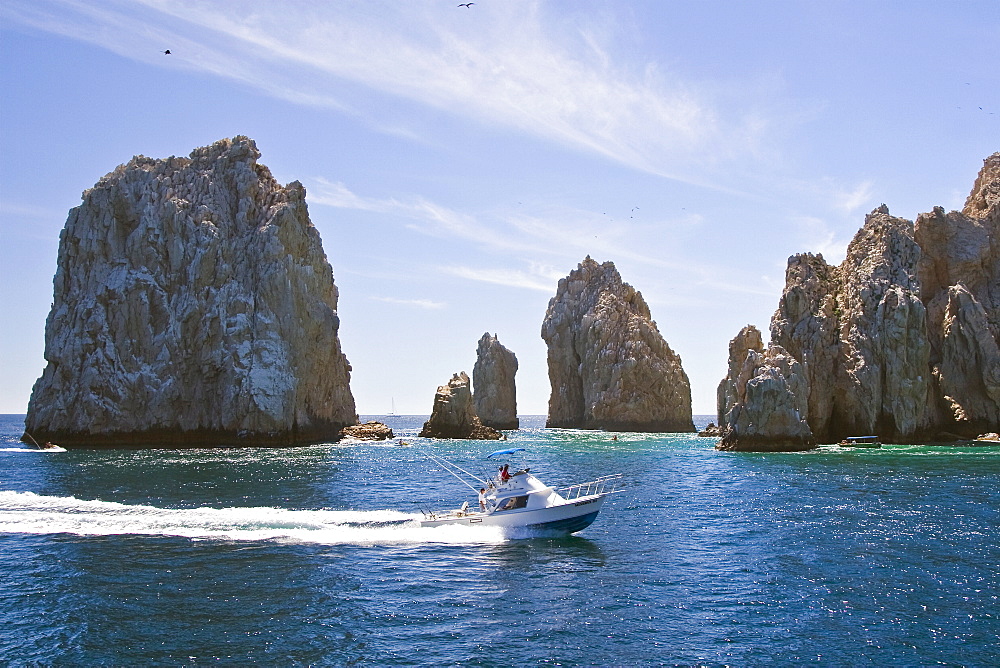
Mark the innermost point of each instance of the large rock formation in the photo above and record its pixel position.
(959, 274)
(495, 395)
(193, 306)
(900, 340)
(609, 367)
(454, 416)
(769, 407)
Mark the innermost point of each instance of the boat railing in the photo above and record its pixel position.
(606, 484)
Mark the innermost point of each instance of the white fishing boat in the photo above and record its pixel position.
(519, 501)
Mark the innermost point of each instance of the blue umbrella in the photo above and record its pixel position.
(503, 452)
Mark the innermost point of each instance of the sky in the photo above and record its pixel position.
(459, 161)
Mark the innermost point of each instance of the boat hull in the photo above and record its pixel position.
(567, 518)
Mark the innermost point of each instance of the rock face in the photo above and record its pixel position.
(454, 416)
(749, 339)
(959, 274)
(710, 431)
(193, 306)
(369, 431)
(769, 410)
(900, 340)
(609, 367)
(495, 395)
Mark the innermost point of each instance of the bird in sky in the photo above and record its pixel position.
(467, 4)
(167, 52)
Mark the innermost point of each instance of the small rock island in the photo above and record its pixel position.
(609, 366)
(193, 306)
(454, 415)
(494, 391)
(900, 340)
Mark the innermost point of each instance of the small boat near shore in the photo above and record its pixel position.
(44, 447)
(520, 501)
(860, 442)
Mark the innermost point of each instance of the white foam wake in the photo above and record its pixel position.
(55, 448)
(27, 512)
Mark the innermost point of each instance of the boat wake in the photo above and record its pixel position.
(54, 448)
(30, 513)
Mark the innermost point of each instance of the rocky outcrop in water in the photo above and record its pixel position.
(749, 339)
(769, 410)
(609, 367)
(193, 306)
(495, 394)
(454, 415)
(369, 431)
(899, 340)
(711, 430)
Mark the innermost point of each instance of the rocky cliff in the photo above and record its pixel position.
(959, 274)
(193, 306)
(900, 339)
(609, 367)
(769, 406)
(453, 414)
(495, 394)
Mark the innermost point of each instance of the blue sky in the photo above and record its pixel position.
(459, 161)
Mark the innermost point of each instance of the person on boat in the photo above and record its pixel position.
(482, 499)
(504, 473)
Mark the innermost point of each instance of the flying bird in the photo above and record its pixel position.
(467, 4)
(167, 52)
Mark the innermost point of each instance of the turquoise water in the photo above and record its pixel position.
(311, 556)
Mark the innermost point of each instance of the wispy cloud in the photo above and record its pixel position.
(555, 231)
(507, 277)
(817, 236)
(423, 215)
(31, 211)
(560, 234)
(505, 64)
(419, 303)
(850, 200)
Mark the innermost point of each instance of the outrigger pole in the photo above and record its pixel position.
(448, 466)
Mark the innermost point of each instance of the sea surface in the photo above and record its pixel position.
(312, 556)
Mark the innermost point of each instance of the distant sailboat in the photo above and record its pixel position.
(392, 411)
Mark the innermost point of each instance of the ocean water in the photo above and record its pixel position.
(311, 556)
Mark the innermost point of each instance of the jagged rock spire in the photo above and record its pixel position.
(193, 305)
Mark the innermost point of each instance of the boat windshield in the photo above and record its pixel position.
(513, 503)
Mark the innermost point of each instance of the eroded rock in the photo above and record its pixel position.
(193, 306)
(609, 366)
(730, 389)
(770, 410)
(495, 394)
(711, 430)
(369, 431)
(899, 340)
(454, 415)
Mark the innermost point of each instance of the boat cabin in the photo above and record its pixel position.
(521, 491)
